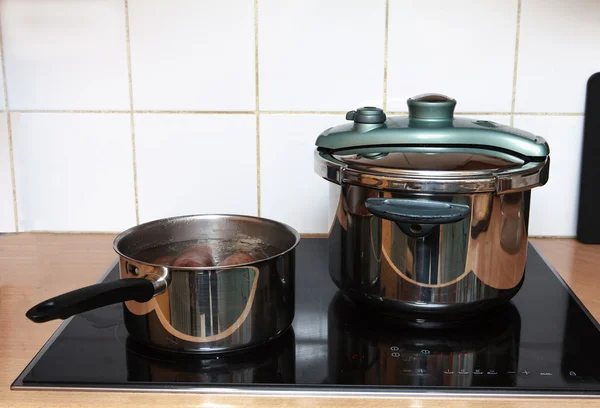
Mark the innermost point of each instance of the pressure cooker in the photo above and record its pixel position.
(429, 212)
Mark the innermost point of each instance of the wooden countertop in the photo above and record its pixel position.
(34, 267)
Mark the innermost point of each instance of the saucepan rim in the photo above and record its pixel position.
(136, 228)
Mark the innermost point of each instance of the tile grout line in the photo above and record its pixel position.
(516, 65)
(191, 112)
(131, 116)
(483, 113)
(282, 112)
(548, 114)
(461, 113)
(266, 112)
(134, 111)
(90, 232)
(385, 54)
(11, 156)
(257, 109)
(67, 111)
(97, 232)
(507, 113)
(302, 234)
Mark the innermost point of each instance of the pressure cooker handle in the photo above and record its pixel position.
(92, 297)
(417, 218)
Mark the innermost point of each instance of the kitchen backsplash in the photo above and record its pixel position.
(116, 112)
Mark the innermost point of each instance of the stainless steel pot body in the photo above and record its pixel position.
(455, 267)
(196, 309)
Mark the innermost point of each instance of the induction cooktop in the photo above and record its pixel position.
(543, 343)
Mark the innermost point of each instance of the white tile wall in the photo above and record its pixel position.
(558, 52)
(462, 48)
(64, 54)
(7, 215)
(193, 66)
(191, 164)
(554, 206)
(320, 56)
(291, 191)
(192, 55)
(2, 91)
(73, 171)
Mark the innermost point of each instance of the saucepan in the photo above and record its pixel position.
(209, 283)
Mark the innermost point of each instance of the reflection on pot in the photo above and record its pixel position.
(511, 232)
(273, 363)
(372, 349)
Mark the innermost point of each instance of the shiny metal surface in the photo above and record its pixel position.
(506, 180)
(158, 281)
(461, 266)
(211, 309)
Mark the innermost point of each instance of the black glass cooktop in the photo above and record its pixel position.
(543, 343)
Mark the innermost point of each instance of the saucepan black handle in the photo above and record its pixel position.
(92, 297)
(417, 218)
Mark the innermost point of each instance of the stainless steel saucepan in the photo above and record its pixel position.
(206, 309)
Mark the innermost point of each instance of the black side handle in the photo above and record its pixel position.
(417, 218)
(91, 297)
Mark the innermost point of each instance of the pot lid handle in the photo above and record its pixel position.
(431, 107)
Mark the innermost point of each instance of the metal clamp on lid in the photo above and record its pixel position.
(519, 178)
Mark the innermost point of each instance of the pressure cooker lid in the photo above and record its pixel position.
(430, 123)
(430, 150)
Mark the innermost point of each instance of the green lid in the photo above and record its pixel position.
(430, 124)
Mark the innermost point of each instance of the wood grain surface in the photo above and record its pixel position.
(34, 267)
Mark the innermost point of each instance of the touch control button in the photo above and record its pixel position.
(524, 373)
